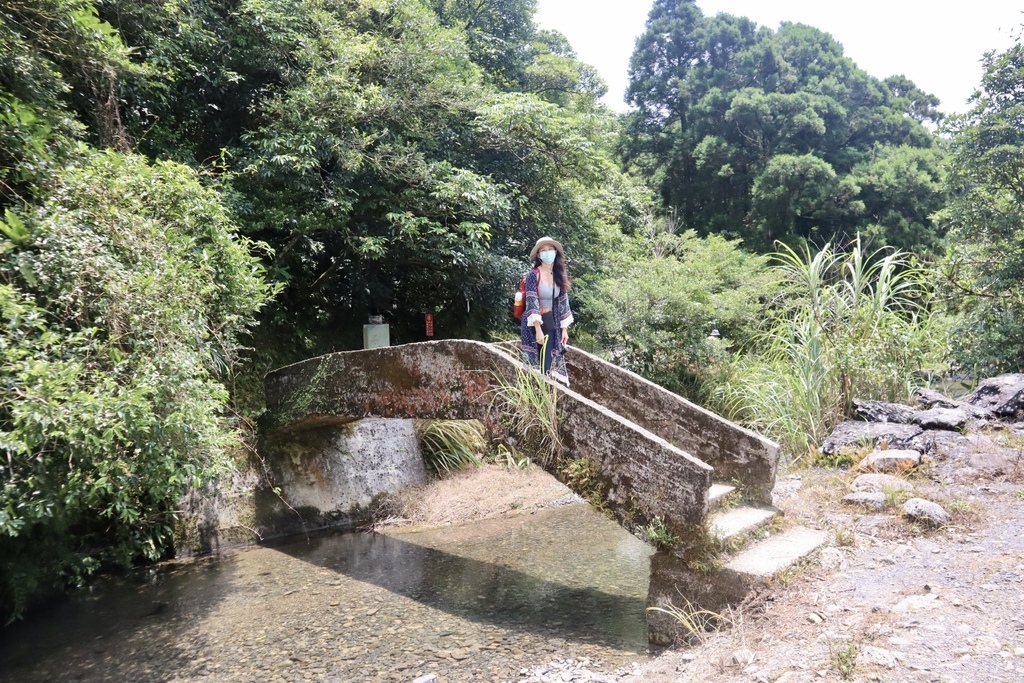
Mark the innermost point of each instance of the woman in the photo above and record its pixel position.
(544, 329)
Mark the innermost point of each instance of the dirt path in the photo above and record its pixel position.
(887, 600)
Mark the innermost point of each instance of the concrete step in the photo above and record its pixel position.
(717, 494)
(776, 553)
(726, 524)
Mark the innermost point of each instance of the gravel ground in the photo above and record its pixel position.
(888, 599)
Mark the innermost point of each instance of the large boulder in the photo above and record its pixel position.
(939, 442)
(929, 398)
(879, 411)
(854, 435)
(951, 419)
(1003, 395)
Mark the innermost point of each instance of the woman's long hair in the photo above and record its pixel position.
(560, 271)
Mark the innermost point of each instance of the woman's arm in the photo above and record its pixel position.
(532, 313)
(564, 316)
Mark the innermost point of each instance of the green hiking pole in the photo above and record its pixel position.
(544, 355)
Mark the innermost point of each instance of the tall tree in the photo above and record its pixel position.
(984, 265)
(498, 35)
(771, 135)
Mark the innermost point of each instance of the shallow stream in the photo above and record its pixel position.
(477, 602)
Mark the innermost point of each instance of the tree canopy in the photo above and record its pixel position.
(777, 135)
(983, 270)
(399, 157)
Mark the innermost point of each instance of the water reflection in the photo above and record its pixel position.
(544, 577)
(147, 610)
(471, 603)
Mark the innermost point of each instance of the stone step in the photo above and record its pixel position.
(736, 521)
(717, 494)
(776, 553)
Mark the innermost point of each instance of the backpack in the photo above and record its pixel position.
(519, 302)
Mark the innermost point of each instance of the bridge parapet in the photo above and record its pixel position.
(739, 456)
(448, 379)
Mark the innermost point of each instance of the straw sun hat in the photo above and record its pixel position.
(543, 242)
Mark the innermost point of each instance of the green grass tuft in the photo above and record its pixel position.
(450, 445)
(529, 407)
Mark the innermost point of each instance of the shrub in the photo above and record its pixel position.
(450, 445)
(122, 302)
(654, 312)
(856, 328)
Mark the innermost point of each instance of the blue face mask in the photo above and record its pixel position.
(548, 257)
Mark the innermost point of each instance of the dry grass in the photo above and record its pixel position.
(479, 493)
(821, 489)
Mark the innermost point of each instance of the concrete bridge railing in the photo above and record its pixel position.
(654, 453)
(738, 456)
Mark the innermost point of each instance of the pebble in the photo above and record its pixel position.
(926, 511)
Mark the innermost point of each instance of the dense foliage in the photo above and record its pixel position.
(654, 310)
(56, 86)
(983, 271)
(122, 297)
(123, 291)
(776, 135)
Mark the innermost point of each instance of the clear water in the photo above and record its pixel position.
(471, 603)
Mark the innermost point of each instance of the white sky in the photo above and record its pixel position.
(939, 49)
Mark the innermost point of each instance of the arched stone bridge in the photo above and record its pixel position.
(655, 453)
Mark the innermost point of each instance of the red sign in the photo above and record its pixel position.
(430, 324)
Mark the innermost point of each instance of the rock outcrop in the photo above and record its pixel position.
(896, 438)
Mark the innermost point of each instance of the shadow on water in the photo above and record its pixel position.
(532, 585)
(538, 599)
(140, 610)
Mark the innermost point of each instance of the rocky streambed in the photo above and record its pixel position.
(489, 601)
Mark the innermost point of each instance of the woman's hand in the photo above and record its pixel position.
(565, 336)
(540, 337)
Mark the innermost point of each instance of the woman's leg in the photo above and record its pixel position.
(550, 329)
